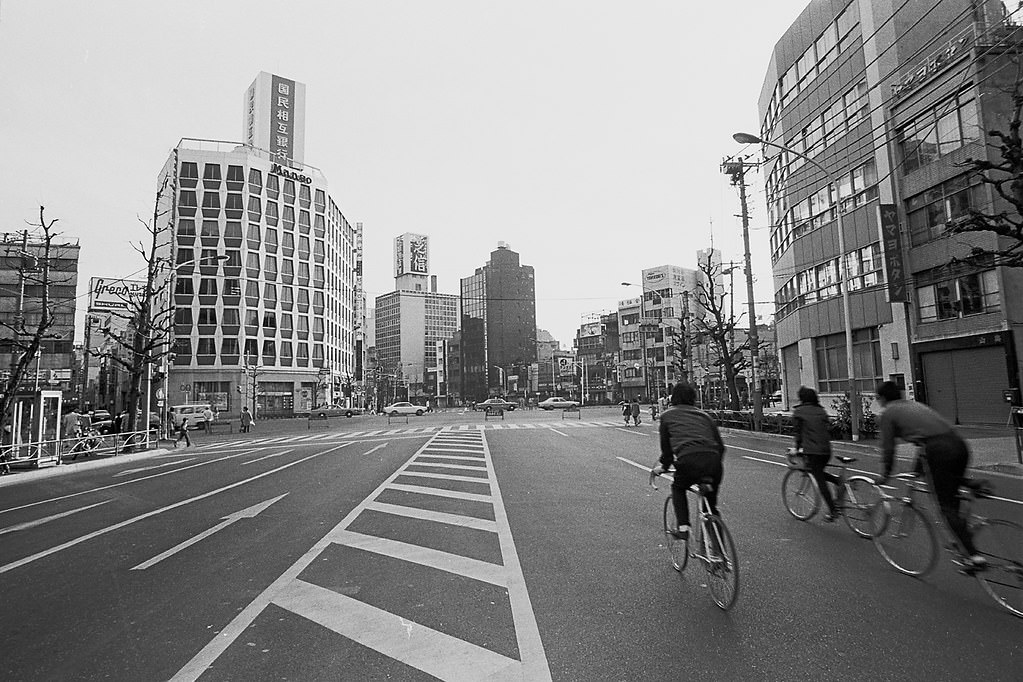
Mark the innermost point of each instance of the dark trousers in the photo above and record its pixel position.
(947, 457)
(183, 433)
(690, 469)
(815, 464)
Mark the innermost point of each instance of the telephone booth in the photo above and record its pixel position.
(34, 436)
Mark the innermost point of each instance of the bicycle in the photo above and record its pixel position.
(85, 445)
(857, 497)
(907, 540)
(709, 542)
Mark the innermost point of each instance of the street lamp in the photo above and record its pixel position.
(748, 138)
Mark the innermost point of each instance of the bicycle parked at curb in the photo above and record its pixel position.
(857, 496)
(709, 542)
(907, 540)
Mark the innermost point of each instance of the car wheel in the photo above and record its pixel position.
(419, 413)
(348, 414)
(394, 413)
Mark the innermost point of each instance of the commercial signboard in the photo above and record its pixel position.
(891, 239)
(108, 294)
(411, 254)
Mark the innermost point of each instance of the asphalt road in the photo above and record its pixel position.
(527, 549)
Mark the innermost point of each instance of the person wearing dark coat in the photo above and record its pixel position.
(813, 439)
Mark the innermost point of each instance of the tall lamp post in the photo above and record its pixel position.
(748, 138)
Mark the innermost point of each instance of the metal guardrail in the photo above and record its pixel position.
(34, 454)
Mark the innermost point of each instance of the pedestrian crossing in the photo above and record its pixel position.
(425, 430)
(423, 571)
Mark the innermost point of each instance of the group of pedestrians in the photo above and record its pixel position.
(691, 442)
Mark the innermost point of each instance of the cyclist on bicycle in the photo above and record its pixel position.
(813, 441)
(946, 453)
(691, 441)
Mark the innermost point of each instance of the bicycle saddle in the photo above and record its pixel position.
(706, 484)
(845, 460)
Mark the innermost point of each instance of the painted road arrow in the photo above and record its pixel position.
(249, 513)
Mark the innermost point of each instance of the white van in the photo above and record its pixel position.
(193, 411)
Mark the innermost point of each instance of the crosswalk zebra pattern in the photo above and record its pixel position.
(445, 497)
(425, 430)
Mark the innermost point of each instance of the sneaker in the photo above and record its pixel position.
(978, 561)
(682, 533)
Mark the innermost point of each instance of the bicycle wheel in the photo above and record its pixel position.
(862, 506)
(722, 564)
(676, 547)
(908, 541)
(800, 493)
(1002, 543)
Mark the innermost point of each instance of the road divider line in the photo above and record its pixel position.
(559, 432)
(155, 466)
(47, 519)
(272, 454)
(430, 515)
(127, 522)
(248, 513)
(374, 449)
(635, 433)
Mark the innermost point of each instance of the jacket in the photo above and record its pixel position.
(687, 430)
(813, 429)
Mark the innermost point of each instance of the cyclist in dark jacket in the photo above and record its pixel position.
(691, 441)
(813, 439)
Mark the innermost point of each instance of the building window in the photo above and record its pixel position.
(208, 316)
(207, 346)
(271, 240)
(321, 201)
(186, 227)
(270, 323)
(938, 131)
(288, 245)
(233, 230)
(229, 346)
(930, 212)
(832, 376)
(272, 187)
(187, 199)
(255, 181)
(210, 228)
(289, 191)
(189, 170)
(207, 286)
(270, 295)
(271, 213)
(183, 316)
(231, 318)
(270, 267)
(968, 294)
(303, 196)
(184, 286)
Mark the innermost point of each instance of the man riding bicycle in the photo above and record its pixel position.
(946, 453)
(691, 441)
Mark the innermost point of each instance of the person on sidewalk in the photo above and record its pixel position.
(183, 433)
(246, 419)
(945, 452)
(208, 417)
(813, 441)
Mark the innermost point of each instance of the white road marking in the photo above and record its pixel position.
(155, 466)
(117, 485)
(248, 513)
(47, 519)
(629, 430)
(372, 450)
(446, 465)
(272, 454)
(103, 531)
(429, 515)
(446, 477)
(559, 432)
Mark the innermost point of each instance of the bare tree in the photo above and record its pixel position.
(147, 314)
(716, 326)
(32, 323)
(1004, 175)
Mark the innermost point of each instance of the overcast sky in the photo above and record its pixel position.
(587, 134)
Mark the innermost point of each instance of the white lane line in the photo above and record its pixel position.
(428, 515)
(374, 449)
(424, 556)
(446, 465)
(444, 477)
(463, 458)
(103, 531)
(126, 472)
(437, 654)
(765, 461)
(636, 433)
(47, 519)
(440, 492)
(131, 482)
(559, 432)
(272, 454)
(248, 513)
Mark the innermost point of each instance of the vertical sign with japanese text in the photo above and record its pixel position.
(282, 98)
(419, 254)
(891, 237)
(399, 256)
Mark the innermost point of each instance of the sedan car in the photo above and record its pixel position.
(495, 404)
(404, 408)
(557, 403)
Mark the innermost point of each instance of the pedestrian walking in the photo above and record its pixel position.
(634, 408)
(70, 425)
(626, 412)
(207, 415)
(246, 420)
(183, 433)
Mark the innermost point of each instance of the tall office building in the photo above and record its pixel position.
(891, 98)
(498, 327)
(412, 320)
(264, 266)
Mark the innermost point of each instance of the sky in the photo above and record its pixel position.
(588, 135)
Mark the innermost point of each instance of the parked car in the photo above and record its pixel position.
(557, 403)
(494, 404)
(101, 420)
(404, 408)
(325, 411)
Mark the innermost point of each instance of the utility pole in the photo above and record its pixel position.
(687, 339)
(737, 170)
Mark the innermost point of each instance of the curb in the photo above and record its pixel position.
(57, 470)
